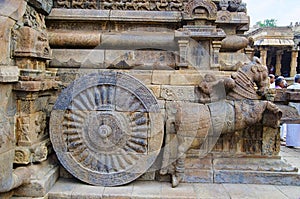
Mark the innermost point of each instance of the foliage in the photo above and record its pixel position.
(267, 23)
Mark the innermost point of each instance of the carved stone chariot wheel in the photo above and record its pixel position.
(106, 128)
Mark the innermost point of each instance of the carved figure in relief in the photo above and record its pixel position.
(63, 3)
(249, 82)
(91, 4)
(176, 5)
(108, 5)
(205, 122)
(162, 5)
(78, 3)
(119, 5)
(131, 5)
(206, 88)
(237, 6)
(144, 5)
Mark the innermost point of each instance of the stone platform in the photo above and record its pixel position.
(71, 188)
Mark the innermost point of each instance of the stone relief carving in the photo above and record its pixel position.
(110, 136)
(206, 123)
(237, 6)
(113, 139)
(243, 83)
(30, 128)
(153, 5)
(198, 8)
(62, 4)
(236, 113)
(90, 4)
(30, 38)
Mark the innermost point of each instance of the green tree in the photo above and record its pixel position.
(267, 23)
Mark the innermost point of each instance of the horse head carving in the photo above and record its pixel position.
(249, 82)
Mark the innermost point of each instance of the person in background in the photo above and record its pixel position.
(293, 130)
(296, 84)
(272, 80)
(280, 83)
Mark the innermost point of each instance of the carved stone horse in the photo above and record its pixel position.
(202, 124)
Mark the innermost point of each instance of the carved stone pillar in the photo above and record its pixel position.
(183, 50)
(278, 62)
(263, 56)
(216, 45)
(294, 56)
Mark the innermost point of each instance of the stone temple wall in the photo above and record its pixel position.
(173, 48)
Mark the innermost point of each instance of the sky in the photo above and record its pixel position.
(284, 11)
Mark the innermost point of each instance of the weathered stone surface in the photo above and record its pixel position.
(156, 89)
(232, 62)
(253, 164)
(5, 34)
(253, 191)
(198, 176)
(13, 9)
(43, 6)
(178, 93)
(208, 191)
(74, 39)
(144, 76)
(139, 59)
(115, 153)
(31, 43)
(183, 191)
(234, 43)
(77, 58)
(244, 177)
(185, 78)
(161, 77)
(249, 82)
(34, 153)
(270, 141)
(9, 73)
(36, 85)
(43, 176)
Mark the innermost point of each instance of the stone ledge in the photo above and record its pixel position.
(36, 85)
(143, 16)
(9, 74)
(256, 177)
(115, 15)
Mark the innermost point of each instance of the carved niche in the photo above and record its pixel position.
(30, 38)
(106, 128)
(201, 9)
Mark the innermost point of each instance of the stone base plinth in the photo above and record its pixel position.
(43, 177)
(257, 177)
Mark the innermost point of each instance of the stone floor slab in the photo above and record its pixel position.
(64, 188)
(292, 192)
(253, 191)
(120, 192)
(266, 191)
(210, 191)
(88, 192)
(74, 189)
(151, 189)
(239, 191)
(184, 190)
